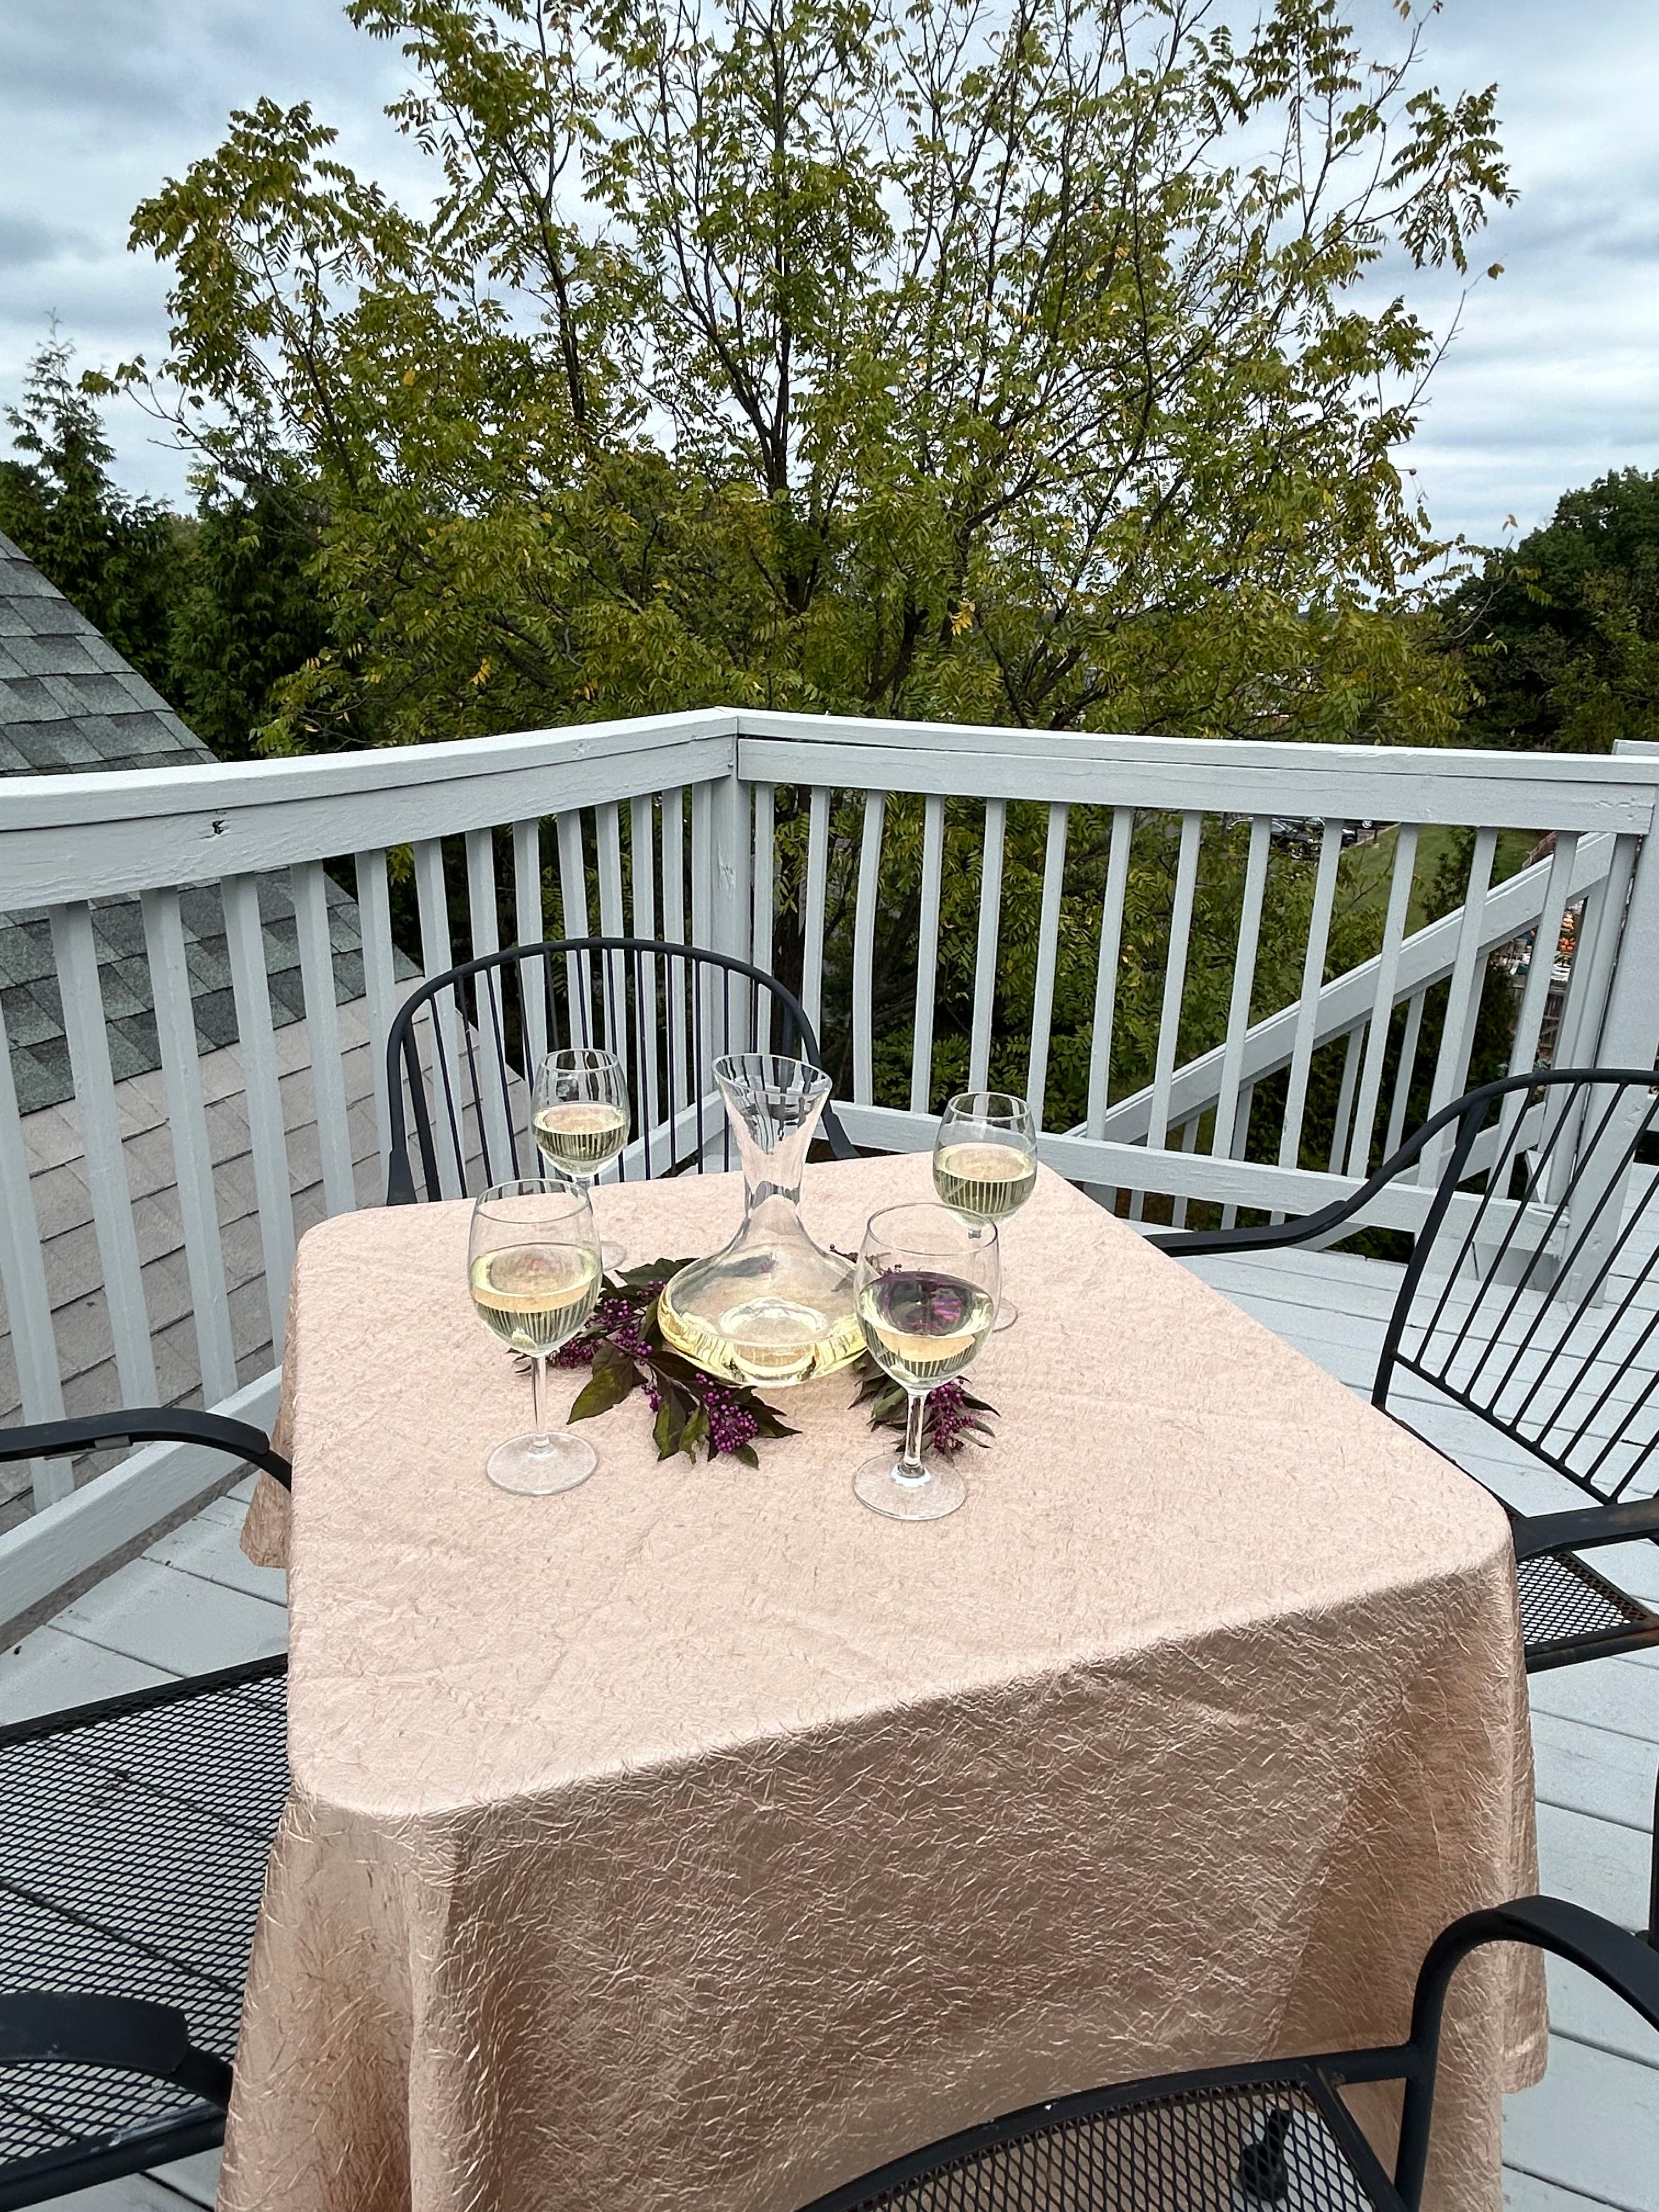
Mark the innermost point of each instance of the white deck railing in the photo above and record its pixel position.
(670, 826)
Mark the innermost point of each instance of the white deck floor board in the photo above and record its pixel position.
(1601, 1863)
(1525, 2192)
(1593, 1769)
(207, 1547)
(177, 1620)
(1591, 2124)
(52, 1668)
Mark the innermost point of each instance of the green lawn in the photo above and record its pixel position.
(1366, 869)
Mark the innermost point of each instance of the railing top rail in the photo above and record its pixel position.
(1403, 783)
(37, 801)
(75, 837)
(887, 733)
(69, 836)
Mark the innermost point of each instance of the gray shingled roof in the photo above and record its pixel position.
(69, 701)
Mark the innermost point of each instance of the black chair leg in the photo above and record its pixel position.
(1263, 2173)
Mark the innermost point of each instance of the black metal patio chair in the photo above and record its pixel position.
(1243, 2138)
(1531, 1291)
(133, 1838)
(463, 1049)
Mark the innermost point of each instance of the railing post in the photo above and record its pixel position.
(1629, 1038)
(731, 920)
(1630, 1032)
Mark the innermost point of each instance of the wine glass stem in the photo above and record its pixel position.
(911, 1469)
(540, 1440)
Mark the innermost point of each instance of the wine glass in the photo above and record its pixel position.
(579, 1117)
(927, 1283)
(533, 1266)
(985, 1161)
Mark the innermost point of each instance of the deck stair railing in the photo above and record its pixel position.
(814, 847)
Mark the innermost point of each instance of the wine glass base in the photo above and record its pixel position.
(513, 1465)
(1007, 1314)
(613, 1258)
(876, 1485)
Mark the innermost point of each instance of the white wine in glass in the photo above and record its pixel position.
(579, 1117)
(928, 1284)
(526, 1294)
(534, 1272)
(985, 1161)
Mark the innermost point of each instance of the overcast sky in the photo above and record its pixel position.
(1553, 380)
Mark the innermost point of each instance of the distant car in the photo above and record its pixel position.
(1301, 835)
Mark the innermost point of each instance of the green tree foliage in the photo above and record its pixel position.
(912, 357)
(248, 614)
(1560, 638)
(120, 560)
(215, 609)
(843, 354)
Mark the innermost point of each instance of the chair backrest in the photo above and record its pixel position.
(1531, 1299)
(464, 1050)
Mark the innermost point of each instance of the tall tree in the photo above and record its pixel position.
(922, 358)
(248, 613)
(1561, 637)
(119, 560)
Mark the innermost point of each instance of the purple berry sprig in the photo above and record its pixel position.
(954, 1416)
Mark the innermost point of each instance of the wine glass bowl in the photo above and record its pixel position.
(928, 1279)
(533, 1270)
(985, 1161)
(579, 1117)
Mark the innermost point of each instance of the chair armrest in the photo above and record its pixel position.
(1618, 1959)
(1267, 1237)
(146, 1425)
(1539, 1534)
(130, 2033)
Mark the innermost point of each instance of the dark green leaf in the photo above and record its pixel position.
(695, 1431)
(615, 1376)
(666, 1427)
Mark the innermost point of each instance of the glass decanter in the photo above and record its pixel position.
(772, 1307)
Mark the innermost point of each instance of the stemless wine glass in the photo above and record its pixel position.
(927, 1283)
(533, 1268)
(985, 1161)
(579, 1116)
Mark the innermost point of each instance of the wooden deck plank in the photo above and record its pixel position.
(1591, 2124)
(1602, 1864)
(1585, 1769)
(157, 1616)
(52, 1668)
(1525, 2192)
(209, 1547)
(1620, 1694)
(1583, 2011)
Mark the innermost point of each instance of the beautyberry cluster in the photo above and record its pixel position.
(617, 1318)
(948, 1416)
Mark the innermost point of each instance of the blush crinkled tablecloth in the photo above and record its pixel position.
(697, 1839)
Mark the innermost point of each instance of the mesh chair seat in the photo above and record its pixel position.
(1262, 2138)
(1565, 1604)
(133, 1840)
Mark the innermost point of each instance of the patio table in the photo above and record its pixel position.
(698, 1839)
